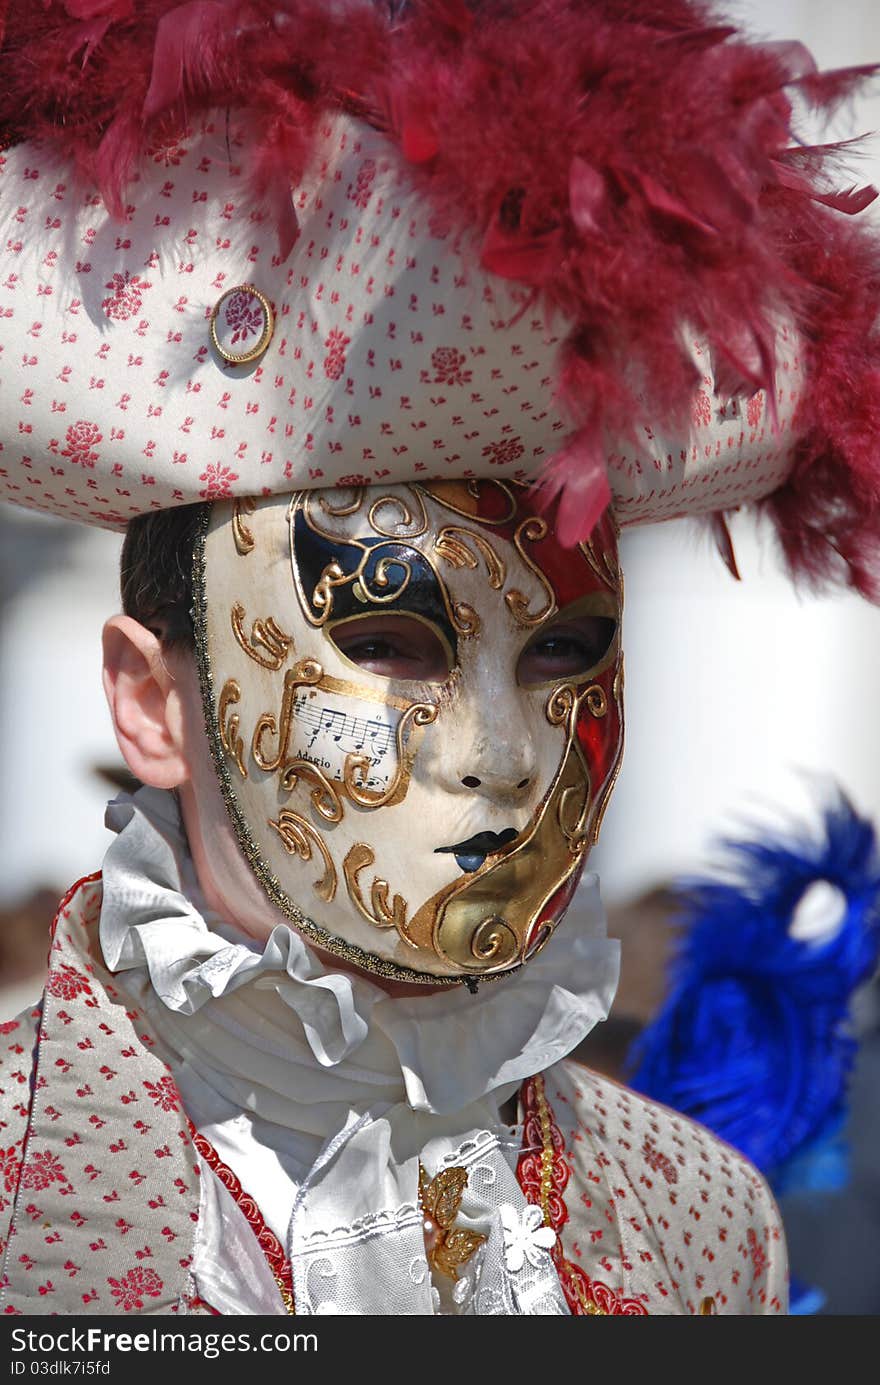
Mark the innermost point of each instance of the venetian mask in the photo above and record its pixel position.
(414, 701)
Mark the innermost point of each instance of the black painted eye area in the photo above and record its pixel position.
(393, 646)
(370, 576)
(567, 649)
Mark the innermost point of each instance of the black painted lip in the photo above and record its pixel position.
(481, 843)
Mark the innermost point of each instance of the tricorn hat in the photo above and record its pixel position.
(249, 247)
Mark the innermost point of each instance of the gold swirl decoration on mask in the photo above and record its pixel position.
(297, 837)
(266, 636)
(603, 561)
(574, 810)
(492, 943)
(532, 529)
(597, 702)
(324, 796)
(565, 702)
(408, 526)
(463, 617)
(383, 588)
(380, 592)
(243, 536)
(357, 767)
(564, 706)
(611, 780)
(472, 935)
(560, 704)
(379, 912)
(306, 673)
(453, 545)
(228, 725)
(470, 494)
(271, 751)
(345, 507)
(574, 821)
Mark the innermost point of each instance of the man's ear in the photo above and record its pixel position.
(145, 704)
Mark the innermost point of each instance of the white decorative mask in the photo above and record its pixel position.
(414, 701)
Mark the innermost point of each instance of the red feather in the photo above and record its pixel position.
(724, 544)
(850, 201)
(828, 89)
(576, 477)
(419, 143)
(192, 43)
(794, 56)
(662, 201)
(698, 40)
(586, 195)
(526, 259)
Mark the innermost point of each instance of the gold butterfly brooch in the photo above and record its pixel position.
(447, 1247)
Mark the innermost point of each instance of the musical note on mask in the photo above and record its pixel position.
(326, 729)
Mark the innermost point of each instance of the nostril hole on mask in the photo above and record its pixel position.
(470, 781)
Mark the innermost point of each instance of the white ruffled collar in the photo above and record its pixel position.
(446, 1049)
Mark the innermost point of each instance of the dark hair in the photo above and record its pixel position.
(155, 572)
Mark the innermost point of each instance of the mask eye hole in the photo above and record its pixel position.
(565, 650)
(393, 646)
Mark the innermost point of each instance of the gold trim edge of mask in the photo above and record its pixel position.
(277, 895)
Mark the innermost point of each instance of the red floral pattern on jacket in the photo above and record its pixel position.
(99, 1196)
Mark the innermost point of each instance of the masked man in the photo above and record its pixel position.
(307, 302)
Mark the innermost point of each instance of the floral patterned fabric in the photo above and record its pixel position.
(101, 1215)
(642, 1210)
(653, 1214)
(393, 358)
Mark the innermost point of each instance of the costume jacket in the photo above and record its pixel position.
(103, 1179)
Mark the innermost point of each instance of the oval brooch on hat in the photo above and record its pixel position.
(242, 323)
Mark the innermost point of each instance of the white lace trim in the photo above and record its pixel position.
(373, 1224)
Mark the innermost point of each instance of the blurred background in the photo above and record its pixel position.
(741, 699)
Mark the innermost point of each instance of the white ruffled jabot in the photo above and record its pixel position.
(324, 1093)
